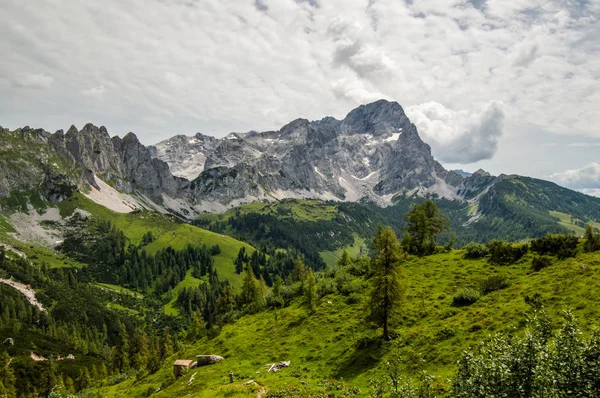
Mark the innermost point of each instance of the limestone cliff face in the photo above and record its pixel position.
(56, 164)
(31, 163)
(145, 173)
(374, 153)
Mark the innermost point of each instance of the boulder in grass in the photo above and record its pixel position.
(276, 367)
(203, 360)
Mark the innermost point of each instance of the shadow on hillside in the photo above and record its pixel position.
(366, 355)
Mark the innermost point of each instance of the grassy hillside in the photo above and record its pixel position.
(336, 350)
(167, 230)
(331, 257)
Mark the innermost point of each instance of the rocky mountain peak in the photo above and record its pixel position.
(378, 118)
(131, 138)
(72, 130)
(374, 152)
(482, 173)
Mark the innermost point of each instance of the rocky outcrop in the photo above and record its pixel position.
(185, 155)
(475, 184)
(142, 172)
(202, 360)
(57, 164)
(374, 153)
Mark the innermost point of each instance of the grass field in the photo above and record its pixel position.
(332, 257)
(119, 289)
(337, 343)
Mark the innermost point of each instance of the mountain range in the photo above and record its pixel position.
(373, 156)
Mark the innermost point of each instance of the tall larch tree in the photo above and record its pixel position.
(310, 292)
(251, 296)
(387, 287)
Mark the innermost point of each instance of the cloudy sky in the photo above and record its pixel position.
(509, 86)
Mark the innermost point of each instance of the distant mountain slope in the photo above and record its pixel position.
(504, 207)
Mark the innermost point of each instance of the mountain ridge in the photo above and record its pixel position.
(374, 154)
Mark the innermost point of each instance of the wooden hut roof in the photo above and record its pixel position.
(183, 362)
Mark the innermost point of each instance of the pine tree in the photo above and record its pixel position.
(299, 270)
(84, 380)
(592, 240)
(310, 293)
(122, 349)
(277, 291)
(166, 346)
(198, 327)
(424, 223)
(154, 359)
(70, 385)
(387, 288)
(263, 290)
(251, 295)
(140, 349)
(344, 261)
(226, 301)
(7, 377)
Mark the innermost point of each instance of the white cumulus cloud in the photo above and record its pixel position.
(463, 136)
(585, 178)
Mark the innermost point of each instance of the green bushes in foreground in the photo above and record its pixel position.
(502, 252)
(562, 246)
(493, 283)
(540, 364)
(475, 250)
(540, 262)
(592, 240)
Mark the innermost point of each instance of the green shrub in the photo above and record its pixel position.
(325, 288)
(503, 252)
(493, 283)
(465, 296)
(562, 246)
(121, 377)
(445, 334)
(540, 262)
(539, 364)
(475, 250)
(353, 298)
(347, 284)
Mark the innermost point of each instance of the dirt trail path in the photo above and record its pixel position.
(27, 291)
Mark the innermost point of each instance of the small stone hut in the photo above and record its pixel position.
(181, 366)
